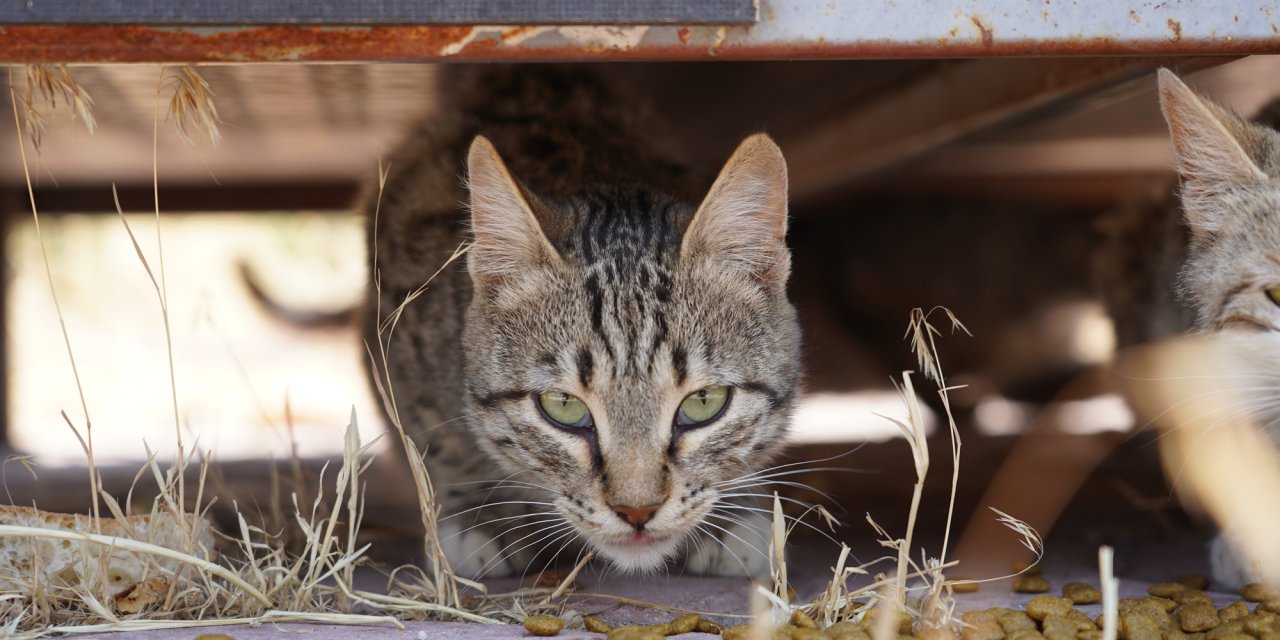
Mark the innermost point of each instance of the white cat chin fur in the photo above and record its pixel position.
(649, 558)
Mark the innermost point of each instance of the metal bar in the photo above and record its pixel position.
(371, 12)
(790, 29)
(294, 196)
(953, 101)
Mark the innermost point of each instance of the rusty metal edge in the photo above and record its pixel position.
(108, 44)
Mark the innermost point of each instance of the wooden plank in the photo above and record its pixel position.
(376, 12)
(954, 100)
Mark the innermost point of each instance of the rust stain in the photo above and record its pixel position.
(1133, 15)
(683, 35)
(515, 32)
(90, 44)
(1175, 28)
(988, 36)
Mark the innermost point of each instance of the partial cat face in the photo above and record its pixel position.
(629, 352)
(1231, 198)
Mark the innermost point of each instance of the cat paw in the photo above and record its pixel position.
(742, 550)
(473, 553)
(1228, 566)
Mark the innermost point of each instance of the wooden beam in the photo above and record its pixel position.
(955, 100)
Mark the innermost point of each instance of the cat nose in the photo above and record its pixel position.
(636, 516)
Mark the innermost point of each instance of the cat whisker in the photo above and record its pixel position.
(724, 546)
(785, 483)
(496, 504)
(555, 535)
(728, 506)
(795, 464)
(740, 522)
(550, 563)
(523, 515)
(790, 473)
(503, 553)
(764, 496)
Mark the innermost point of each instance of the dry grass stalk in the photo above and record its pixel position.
(46, 84)
(191, 106)
(888, 592)
(1110, 593)
(261, 582)
(442, 586)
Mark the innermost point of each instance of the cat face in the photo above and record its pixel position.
(1230, 172)
(630, 353)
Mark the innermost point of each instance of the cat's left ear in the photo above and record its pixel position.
(508, 240)
(742, 223)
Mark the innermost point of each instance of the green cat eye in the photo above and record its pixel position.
(1274, 294)
(702, 406)
(564, 410)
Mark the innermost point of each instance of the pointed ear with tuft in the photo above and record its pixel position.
(742, 223)
(508, 240)
(1211, 145)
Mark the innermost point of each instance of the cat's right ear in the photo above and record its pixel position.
(742, 223)
(508, 240)
(1211, 145)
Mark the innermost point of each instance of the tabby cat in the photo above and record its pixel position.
(614, 360)
(1230, 173)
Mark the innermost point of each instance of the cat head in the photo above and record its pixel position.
(1230, 170)
(630, 353)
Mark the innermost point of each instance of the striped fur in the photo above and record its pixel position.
(588, 274)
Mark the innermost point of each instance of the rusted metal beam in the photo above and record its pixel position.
(790, 29)
(954, 100)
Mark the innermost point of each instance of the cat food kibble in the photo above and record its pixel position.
(802, 620)
(543, 625)
(1031, 584)
(687, 623)
(1198, 616)
(1237, 611)
(637, 632)
(708, 626)
(963, 586)
(1166, 589)
(1257, 592)
(1041, 607)
(1197, 581)
(595, 625)
(1081, 593)
(1135, 626)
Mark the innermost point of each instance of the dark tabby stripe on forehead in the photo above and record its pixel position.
(585, 366)
(493, 398)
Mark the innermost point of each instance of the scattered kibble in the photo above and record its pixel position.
(709, 626)
(543, 625)
(595, 625)
(1257, 592)
(1198, 616)
(737, 632)
(1197, 581)
(1166, 589)
(1041, 607)
(1135, 626)
(960, 585)
(1081, 593)
(1031, 584)
(802, 620)
(687, 623)
(1237, 611)
(638, 632)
